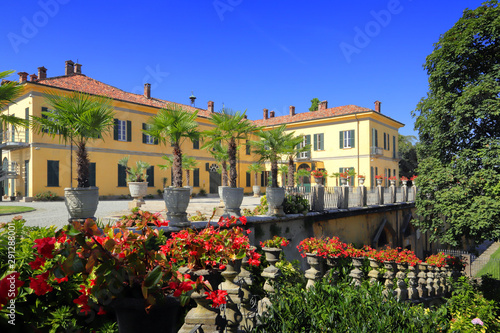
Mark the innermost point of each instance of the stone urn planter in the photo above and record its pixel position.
(81, 202)
(313, 274)
(177, 201)
(392, 182)
(190, 189)
(361, 181)
(138, 190)
(271, 272)
(132, 317)
(232, 197)
(275, 198)
(332, 263)
(318, 180)
(379, 181)
(232, 311)
(343, 181)
(256, 191)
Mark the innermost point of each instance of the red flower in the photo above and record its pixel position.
(218, 297)
(83, 301)
(45, 246)
(243, 220)
(6, 290)
(101, 311)
(61, 280)
(39, 284)
(37, 264)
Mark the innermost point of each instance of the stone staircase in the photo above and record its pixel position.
(481, 261)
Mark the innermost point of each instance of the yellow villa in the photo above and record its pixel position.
(341, 138)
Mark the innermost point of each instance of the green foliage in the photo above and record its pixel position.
(136, 173)
(199, 216)
(408, 163)
(9, 91)
(46, 196)
(202, 192)
(295, 203)
(345, 308)
(314, 104)
(459, 130)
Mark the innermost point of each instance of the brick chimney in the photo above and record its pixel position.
(23, 77)
(42, 73)
(323, 106)
(377, 106)
(78, 68)
(210, 107)
(33, 77)
(68, 69)
(266, 113)
(245, 116)
(147, 90)
(292, 110)
(271, 115)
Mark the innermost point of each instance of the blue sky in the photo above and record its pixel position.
(247, 54)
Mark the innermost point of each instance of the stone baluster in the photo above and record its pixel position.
(401, 290)
(374, 273)
(269, 273)
(390, 267)
(422, 281)
(232, 309)
(244, 280)
(313, 274)
(442, 281)
(430, 281)
(437, 288)
(357, 273)
(333, 273)
(412, 283)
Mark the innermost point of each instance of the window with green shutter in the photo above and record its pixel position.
(374, 137)
(122, 176)
(52, 173)
(319, 141)
(92, 174)
(196, 177)
(248, 179)
(151, 176)
(196, 144)
(346, 139)
(306, 142)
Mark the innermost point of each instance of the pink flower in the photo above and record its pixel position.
(477, 321)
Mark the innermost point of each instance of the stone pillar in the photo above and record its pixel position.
(380, 194)
(269, 273)
(404, 190)
(344, 197)
(362, 196)
(414, 192)
(318, 198)
(392, 190)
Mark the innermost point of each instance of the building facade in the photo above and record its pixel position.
(341, 138)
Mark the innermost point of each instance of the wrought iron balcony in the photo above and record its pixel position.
(12, 140)
(9, 171)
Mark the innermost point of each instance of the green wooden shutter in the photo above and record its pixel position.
(322, 141)
(144, 136)
(341, 139)
(352, 178)
(308, 142)
(26, 131)
(115, 129)
(388, 142)
(248, 179)
(196, 177)
(351, 138)
(385, 142)
(376, 138)
(207, 166)
(393, 147)
(315, 141)
(129, 131)
(92, 174)
(151, 176)
(122, 175)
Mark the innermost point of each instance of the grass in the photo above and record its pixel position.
(15, 209)
(493, 266)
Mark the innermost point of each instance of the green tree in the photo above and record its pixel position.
(459, 132)
(314, 104)
(9, 91)
(230, 127)
(293, 149)
(408, 152)
(271, 147)
(174, 125)
(188, 164)
(256, 168)
(77, 118)
(220, 155)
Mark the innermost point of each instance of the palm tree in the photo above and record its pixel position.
(9, 91)
(188, 163)
(256, 168)
(230, 127)
(220, 155)
(174, 125)
(283, 170)
(77, 118)
(293, 150)
(270, 147)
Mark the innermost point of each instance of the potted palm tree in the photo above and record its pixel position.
(270, 147)
(136, 179)
(188, 164)
(77, 118)
(256, 168)
(174, 125)
(230, 127)
(293, 149)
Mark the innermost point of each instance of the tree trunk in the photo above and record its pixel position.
(224, 173)
(274, 174)
(82, 165)
(231, 152)
(187, 177)
(291, 170)
(256, 178)
(177, 166)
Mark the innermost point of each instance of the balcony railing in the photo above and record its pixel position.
(376, 151)
(12, 140)
(9, 171)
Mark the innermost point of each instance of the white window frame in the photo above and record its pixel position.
(347, 139)
(149, 139)
(317, 138)
(303, 154)
(122, 130)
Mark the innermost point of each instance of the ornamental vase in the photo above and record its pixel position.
(271, 272)
(313, 274)
(374, 273)
(357, 273)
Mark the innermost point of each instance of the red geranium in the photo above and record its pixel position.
(6, 288)
(39, 284)
(45, 246)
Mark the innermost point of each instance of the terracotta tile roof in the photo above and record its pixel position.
(82, 83)
(304, 116)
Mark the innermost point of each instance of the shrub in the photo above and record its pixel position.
(46, 196)
(202, 192)
(199, 216)
(295, 203)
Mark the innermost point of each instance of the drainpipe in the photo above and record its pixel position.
(357, 134)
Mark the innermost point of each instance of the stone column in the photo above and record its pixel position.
(380, 194)
(244, 280)
(404, 190)
(318, 198)
(362, 196)
(392, 190)
(269, 273)
(344, 197)
(374, 273)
